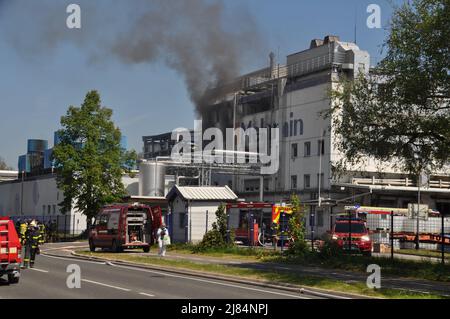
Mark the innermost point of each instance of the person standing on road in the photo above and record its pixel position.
(23, 239)
(31, 244)
(41, 232)
(163, 239)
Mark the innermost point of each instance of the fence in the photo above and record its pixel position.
(401, 232)
(58, 228)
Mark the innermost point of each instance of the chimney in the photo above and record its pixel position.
(272, 64)
(330, 38)
(316, 43)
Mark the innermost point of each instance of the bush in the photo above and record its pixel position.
(297, 244)
(330, 248)
(218, 236)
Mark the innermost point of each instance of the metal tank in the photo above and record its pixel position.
(152, 179)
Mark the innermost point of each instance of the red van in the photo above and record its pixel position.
(125, 226)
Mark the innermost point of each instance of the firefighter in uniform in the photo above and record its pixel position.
(42, 233)
(23, 235)
(31, 244)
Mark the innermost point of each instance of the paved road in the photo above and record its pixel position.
(409, 284)
(99, 280)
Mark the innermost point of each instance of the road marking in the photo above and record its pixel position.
(37, 269)
(72, 259)
(105, 285)
(145, 294)
(215, 282)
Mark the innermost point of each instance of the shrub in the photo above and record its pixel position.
(218, 236)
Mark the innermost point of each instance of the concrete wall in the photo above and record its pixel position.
(40, 199)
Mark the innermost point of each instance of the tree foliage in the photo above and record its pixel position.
(89, 158)
(400, 113)
(297, 230)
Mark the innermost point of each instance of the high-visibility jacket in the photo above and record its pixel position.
(32, 237)
(23, 232)
(42, 234)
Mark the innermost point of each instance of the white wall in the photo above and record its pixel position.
(41, 198)
(197, 222)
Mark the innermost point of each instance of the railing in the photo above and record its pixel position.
(403, 182)
(292, 70)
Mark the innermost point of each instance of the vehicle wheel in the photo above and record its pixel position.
(115, 248)
(12, 279)
(146, 249)
(91, 246)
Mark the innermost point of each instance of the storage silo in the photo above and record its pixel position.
(152, 177)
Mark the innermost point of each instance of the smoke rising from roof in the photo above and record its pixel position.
(202, 40)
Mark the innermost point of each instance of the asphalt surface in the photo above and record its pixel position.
(102, 281)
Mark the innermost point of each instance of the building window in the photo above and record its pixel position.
(54, 209)
(294, 151)
(319, 214)
(307, 181)
(307, 149)
(320, 179)
(43, 209)
(49, 210)
(320, 147)
(294, 182)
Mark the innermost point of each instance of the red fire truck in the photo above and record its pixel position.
(9, 251)
(258, 223)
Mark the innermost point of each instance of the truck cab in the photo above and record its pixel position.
(352, 235)
(125, 226)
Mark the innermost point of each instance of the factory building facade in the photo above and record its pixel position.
(294, 97)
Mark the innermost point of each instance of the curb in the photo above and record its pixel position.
(324, 293)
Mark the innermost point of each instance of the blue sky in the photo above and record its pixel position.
(37, 85)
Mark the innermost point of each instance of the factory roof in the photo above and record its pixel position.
(198, 193)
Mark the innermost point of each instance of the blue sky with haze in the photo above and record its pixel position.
(40, 78)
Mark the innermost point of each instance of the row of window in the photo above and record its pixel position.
(49, 209)
(307, 181)
(307, 149)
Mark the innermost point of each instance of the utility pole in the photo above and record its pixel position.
(21, 196)
(417, 217)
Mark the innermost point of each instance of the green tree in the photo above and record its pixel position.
(89, 158)
(297, 231)
(400, 112)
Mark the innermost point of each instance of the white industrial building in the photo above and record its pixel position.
(292, 97)
(193, 210)
(39, 196)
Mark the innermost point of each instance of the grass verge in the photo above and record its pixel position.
(270, 275)
(423, 253)
(420, 269)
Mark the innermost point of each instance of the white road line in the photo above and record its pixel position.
(105, 285)
(215, 282)
(41, 270)
(74, 259)
(183, 277)
(145, 294)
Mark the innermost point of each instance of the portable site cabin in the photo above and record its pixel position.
(193, 210)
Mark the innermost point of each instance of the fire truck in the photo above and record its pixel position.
(9, 251)
(259, 223)
(125, 226)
